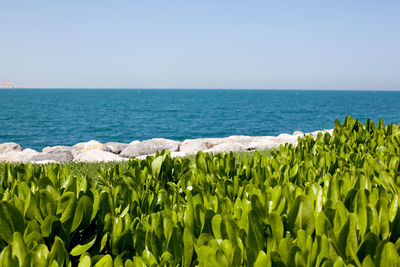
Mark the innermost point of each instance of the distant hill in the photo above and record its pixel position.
(9, 85)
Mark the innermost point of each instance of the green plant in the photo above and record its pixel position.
(329, 201)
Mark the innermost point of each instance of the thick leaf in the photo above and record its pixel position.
(85, 261)
(83, 246)
(276, 224)
(83, 213)
(156, 165)
(106, 261)
(66, 206)
(11, 221)
(187, 247)
(262, 260)
(386, 255)
(301, 215)
(18, 247)
(58, 252)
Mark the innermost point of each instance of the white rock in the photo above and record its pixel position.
(18, 156)
(97, 155)
(56, 155)
(10, 146)
(141, 157)
(262, 144)
(44, 162)
(178, 154)
(298, 133)
(93, 144)
(286, 139)
(116, 147)
(174, 154)
(242, 139)
(230, 146)
(192, 146)
(150, 146)
(74, 150)
(50, 149)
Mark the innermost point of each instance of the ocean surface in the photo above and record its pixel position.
(37, 118)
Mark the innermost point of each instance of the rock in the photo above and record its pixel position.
(262, 144)
(45, 162)
(10, 156)
(174, 154)
(134, 142)
(28, 153)
(93, 144)
(298, 133)
(53, 149)
(192, 146)
(56, 155)
(79, 146)
(178, 154)
(18, 156)
(142, 157)
(75, 150)
(116, 147)
(96, 155)
(244, 140)
(10, 146)
(285, 139)
(150, 146)
(315, 133)
(230, 146)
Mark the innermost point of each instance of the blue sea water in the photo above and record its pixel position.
(37, 118)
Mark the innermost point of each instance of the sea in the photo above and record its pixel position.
(36, 118)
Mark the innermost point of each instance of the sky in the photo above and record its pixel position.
(341, 44)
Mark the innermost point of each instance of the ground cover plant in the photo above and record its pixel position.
(329, 201)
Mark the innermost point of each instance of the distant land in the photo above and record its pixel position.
(10, 85)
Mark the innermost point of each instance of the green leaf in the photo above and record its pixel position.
(58, 252)
(347, 241)
(386, 254)
(394, 205)
(11, 221)
(156, 165)
(83, 246)
(18, 247)
(85, 261)
(105, 261)
(7, 259)
(276, 224)
(83, 213)
(262, 260)
(293, 170)
(295, 257)
(175, 246)
(66, 206)
(201, 162)
(216, 226)
(368, 262)
(103, 242)
(50, 225)
(301, 215)
(187, 247)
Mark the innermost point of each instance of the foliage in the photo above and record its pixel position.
(91, 168)
(329, 201)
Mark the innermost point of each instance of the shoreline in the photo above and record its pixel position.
(94, 151)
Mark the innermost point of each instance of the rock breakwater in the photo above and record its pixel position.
(94, 151)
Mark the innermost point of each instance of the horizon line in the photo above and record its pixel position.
(183, 88)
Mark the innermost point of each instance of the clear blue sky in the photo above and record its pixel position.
(341, 44)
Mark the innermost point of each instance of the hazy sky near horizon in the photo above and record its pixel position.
(338, 44)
